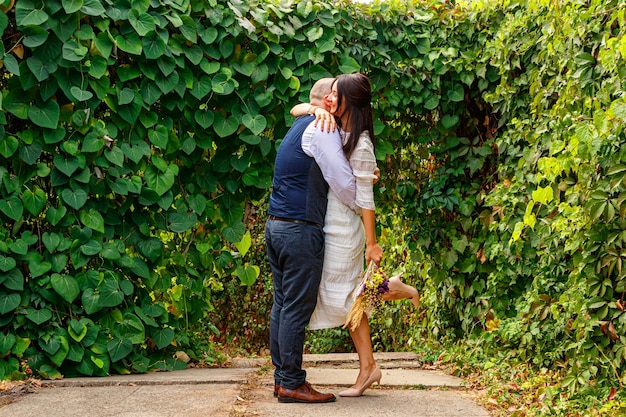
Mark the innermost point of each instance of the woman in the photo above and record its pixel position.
(347, 232)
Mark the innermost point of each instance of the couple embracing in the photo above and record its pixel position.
(321, 217)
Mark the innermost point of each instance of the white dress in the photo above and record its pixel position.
(344, 256)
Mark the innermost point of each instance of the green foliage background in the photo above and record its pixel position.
(136, 148)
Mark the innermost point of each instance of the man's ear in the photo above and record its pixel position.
(327, 101)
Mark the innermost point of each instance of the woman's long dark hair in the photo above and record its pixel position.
(356, 92)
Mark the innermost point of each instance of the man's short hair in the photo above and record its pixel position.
(321, 88)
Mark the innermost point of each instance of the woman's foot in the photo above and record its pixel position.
(358, 391)
(398, 290)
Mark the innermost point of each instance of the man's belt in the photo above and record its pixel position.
(297, 221)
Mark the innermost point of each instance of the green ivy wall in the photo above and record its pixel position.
(137, 140)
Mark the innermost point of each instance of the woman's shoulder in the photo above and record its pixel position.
(365, 140)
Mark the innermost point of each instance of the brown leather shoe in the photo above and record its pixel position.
(303, 394)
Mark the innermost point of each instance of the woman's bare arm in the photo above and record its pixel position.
(321, 114)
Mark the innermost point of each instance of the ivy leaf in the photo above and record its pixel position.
(179, 222)
(159, 181)
(131, 43)
(234, 233)
(61, 353)
(159, 136)
(6, 264)
(202, 87)
(225, 126)
(449, 121)
(92, 219)
(51, 241)
(34, 202)
(77, 329)
(26, 14)
(143, 23)
(204, 118)
(46, 116)
(348, 65)
(72, 6)
(75, 199)
(162, 337)
(119, 348)
(55, 215)
(248, 274)
(167, 83)
(115, 156)
(256, 124)
(92, 8)
(12, 207)
(8, 146)
(67, 165)
(151, 248)
(457, 93)
(38, 316)
(7, 341)
(9, 302)
(38, 68)
(91, 301)
(37, 267)
(131, 328)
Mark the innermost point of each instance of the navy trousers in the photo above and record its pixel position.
(296, 257)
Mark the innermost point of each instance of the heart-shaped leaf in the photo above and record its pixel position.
(7, 341)
(34, 202)
(55, 215)
(13, 280)
(130, 44)
(154, 46)
(66, 286)
(38, 268)
(110, 294)
(204, 118)
(75, 199)
(159, 136)
(248, 274)
(9, 302)
(225, 126)
(72, 6)
(91, 301)
(12, 207)
(457, 93)
(92, 219)
(91, 247)
(143, 23)
(166, 84)
(132, 328)
(26, 14)
(159, 181)
(162, 337)
(77, 329)
(6, 263)
(45, 116)
(8, 146)
(202, 87)
(67, 165)
(203, 247)
(61, 353)
(255, 123)
(38, 316)
(119, 348)
(179, 222)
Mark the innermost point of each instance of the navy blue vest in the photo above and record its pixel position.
(299, 190)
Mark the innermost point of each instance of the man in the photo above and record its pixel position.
(295, 243)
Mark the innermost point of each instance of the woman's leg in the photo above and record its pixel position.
(368, 372)
(398, 290)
